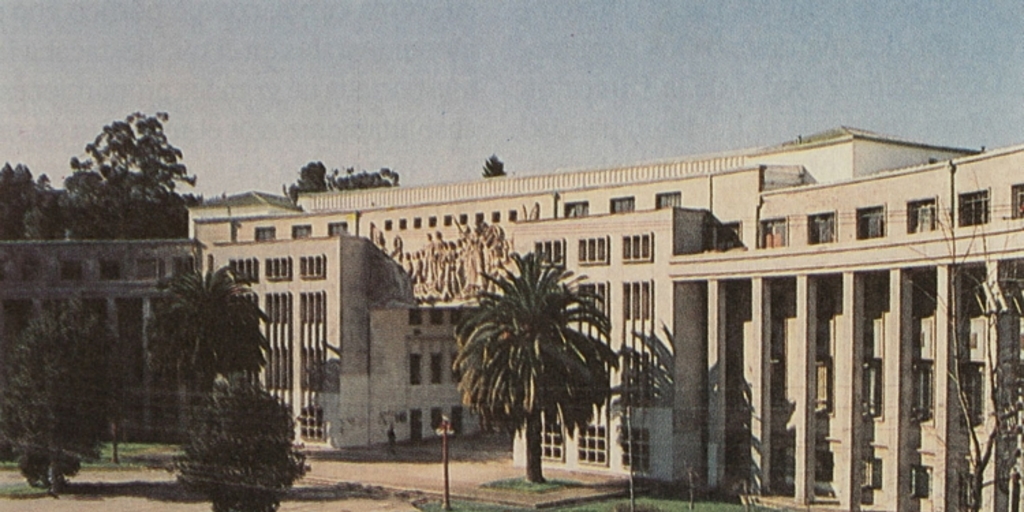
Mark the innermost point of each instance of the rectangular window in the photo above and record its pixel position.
(415, 361)
(417, 223)
(435, 368)
(593, 445)
(637, 299)
(821, 228)
(415, 316)
(337, 228)
(147, 268)
(597, 292)
(870, 222)
(872, 478)
(246, 270)
(638, 248)
(388, 225)
(432, 222)
(773, 233)
(823, 385)
(313, 267)
(1017, 196)
(278, 269)
(479, 218)
(110, 270)
(463, 219)
(304, 231)
(872, 393)
(495, 217)
(594, 251)
(552, 250)
(553, 442)
(622, 205)
(824, 463)
(973, 385)
(403, 224)
(266, 234)
(920, 481)
(636, 448)
(668, 200)
(436, 417)
(923, 382)
(513, 216)
(577, 209)
(921, 216)
(974, 208)
(448, 220)
(436, 316)
(71, 270)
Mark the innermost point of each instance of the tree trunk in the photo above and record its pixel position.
(534, 472)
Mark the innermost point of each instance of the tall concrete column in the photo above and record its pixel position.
(944, 491)
(716, 382)
(757, 375)
(895, 379)
(690, 332)
(846, 361)
(802, 385)
(147, 377)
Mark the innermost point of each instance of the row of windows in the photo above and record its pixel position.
(592, 447)
(922, 216)
(279, 269)
(435, 315)
(109, 270)
(449, 220)
(597, 251)
(624, 204)
(313, 267)
(269, 233)
(436, 369)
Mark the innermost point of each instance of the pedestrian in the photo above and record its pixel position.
(391, 438)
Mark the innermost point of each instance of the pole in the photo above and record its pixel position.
(444, 459)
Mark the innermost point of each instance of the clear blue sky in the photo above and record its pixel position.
(431, 89)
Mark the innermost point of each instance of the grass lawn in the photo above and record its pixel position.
(131, 455)
(20, 490)
(524, 485)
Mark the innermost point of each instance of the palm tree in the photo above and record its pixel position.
(534, 351)
(207, 326)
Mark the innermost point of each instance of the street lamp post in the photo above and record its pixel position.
(445, 429)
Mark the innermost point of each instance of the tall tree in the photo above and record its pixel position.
(494, 167)
(17, 195)
(208, 326)
(314, 178)
(55, 393)
(534, 351)
(128, 179)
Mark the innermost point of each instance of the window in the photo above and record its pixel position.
(513, 216)
(447, 220)
(872, 392)
(463, 219)
(436, 417)
(594, 251)
(479, 218)
(553, 442)
(593, 445)
(973, 377)
(415, 316)
(337, 228)
(921, 408)
(921, 216)
(636, 448)
(432, 222)
(821, 228)
(870, 222)
(436, 316)
(824, 463)
(147, 268)
(823, 385)
(577, 209)
(773, 233)
(668, 200)
(920, 481)
(110, 270)
(974, 208)
(184, 265)
(636, 301)
(872, 473)
(495, 217)
(415, 378)
(435, 368)
(388, 225)
(1017, 193)
(266, 234)
(622, 205)
(71, 270)
(313, 267)
(403, 224)
(638, 248)
(304, 231)
(417, 223)
(598, 292)
(279, 269)
(730, 236)
(247, 270)
(457, 419)
(552, 250)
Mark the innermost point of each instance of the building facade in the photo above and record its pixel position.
(838, 314)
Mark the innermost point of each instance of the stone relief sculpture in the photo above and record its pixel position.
(444, 270)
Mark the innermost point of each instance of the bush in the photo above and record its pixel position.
(239, 451)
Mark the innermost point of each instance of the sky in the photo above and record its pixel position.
(257, 89)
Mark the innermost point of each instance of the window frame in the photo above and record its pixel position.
(301, 231)
(914, 209)
(265, 233)
(974, 208)
(625, 204)
(674, 200)
(817, 224)
(769, 228)
(577, 209)
(871, 222)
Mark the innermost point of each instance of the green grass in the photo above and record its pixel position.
(524, 485)
(131, 456)
(20, 490)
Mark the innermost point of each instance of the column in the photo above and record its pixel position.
(147, 377)
(757, 374)
(895, 378)
(690, 333)
(944, 492)
(802, 386)
(716, 382)
(847, 376)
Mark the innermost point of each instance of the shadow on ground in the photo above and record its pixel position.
(173, 492)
